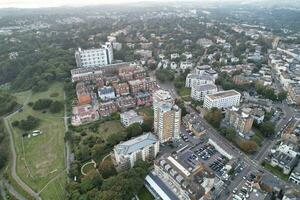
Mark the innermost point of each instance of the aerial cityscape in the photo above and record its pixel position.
(150, 100)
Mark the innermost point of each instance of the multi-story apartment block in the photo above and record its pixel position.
(168, 119)
(136, 86)
(130, 117)
(94, 57)
(106, 93)
(240, 119)
(160, 96)
(121, 89)
(144, 147)
(222, 99)
(195, 79)
(83, 94)
(131, 72)
(125, 103)
(107, 108)
(198, 92)
(92, 73)
(86, 74)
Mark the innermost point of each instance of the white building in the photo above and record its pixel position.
(94, 57)
(200, 70)
(198, 92)
(130, 117)
(295, 175)
(188, 55)
(222, 99)
(186, 65)
(160, 96)
(144, 147)
(195, 79)
(174, 56)
(106, 93)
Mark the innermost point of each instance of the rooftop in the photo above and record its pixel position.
(129, 114)
(223, 94)
(205, 87)
(106, 90)
(135, 144)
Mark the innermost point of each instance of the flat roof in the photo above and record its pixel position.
(135, 144)
(160, 188)
(223, 94)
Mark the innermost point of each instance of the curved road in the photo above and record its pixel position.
(14, 159)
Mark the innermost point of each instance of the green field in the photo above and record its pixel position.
(40, 159)
(275, 170)
(144, 194)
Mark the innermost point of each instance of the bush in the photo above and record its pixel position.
(15, 123)
(29, 123)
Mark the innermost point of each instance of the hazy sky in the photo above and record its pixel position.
(55, 3)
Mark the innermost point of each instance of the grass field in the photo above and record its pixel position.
(275, 170)
(41, 158)
(144, 194)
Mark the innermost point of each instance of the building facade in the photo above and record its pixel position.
(94, 57)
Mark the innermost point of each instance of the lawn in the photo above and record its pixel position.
(41, 158)
(275, 170)
(144, 194)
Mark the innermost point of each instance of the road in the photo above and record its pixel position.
(14, 156)
(11, 190)
(67, 143)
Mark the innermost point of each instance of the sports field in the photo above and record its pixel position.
(40, 161)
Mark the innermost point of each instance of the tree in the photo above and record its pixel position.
(107, 169)
(29, 123)
(146, 127)
(165, 75)
(91, 180)
(42, 104)
(267, 129)
(98, 151)
(229, 133)
(249, 146)
(214, 117)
